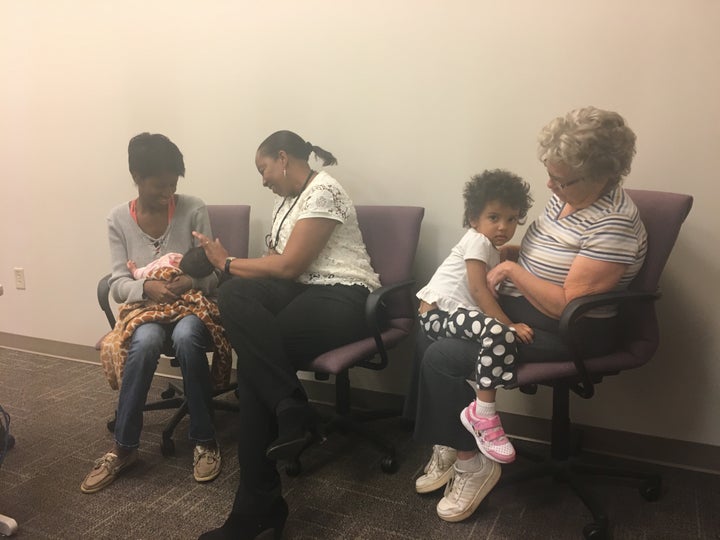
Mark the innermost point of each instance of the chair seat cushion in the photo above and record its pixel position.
(634, 355)
(342, 358)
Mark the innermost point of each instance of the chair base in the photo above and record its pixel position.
(354, 422)
(570, 472)
(565, 465)
(348, 420)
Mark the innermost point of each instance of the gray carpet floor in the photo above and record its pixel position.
(59, 408)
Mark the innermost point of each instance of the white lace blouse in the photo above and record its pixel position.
(344, 260)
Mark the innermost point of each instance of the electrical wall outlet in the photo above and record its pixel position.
(19, 278)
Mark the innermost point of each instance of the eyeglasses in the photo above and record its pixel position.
(562, 185)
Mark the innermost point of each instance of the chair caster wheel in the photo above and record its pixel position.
(651, 489)
(167, 447)
(167, 393)
(293, 468)
(389, 465)
(111, 425)
(596, 531)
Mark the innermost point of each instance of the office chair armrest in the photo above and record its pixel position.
(374, 317)
(578, 307)
(103, 296)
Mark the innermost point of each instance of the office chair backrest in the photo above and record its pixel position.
(231, 223)
(391, 235)
(662, 214)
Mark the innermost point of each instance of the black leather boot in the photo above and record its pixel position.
(297, 428)
(248, 527)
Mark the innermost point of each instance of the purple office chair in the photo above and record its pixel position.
(231, 224)
(391, 236)
(663, 215)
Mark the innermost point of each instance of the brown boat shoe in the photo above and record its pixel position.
(206, 462)
(106, 470)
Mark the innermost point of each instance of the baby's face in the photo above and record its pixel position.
(174, 259)
(498, 222)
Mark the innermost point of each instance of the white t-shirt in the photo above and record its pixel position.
(344, 259)
(449, 287)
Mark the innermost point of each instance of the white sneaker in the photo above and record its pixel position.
(466, 490)
(438, 470)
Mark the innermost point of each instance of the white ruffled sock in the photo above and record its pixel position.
(483, 408)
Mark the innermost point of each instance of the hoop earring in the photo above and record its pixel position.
(284, 173)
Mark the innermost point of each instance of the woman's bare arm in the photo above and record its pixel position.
(307, 239)
(586, 276)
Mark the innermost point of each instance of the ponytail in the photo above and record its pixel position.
(295, 146)
(326, 157)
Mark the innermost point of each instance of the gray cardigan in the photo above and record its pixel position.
(129, 242)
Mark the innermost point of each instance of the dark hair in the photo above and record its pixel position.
(151, 154)
(496, 185)
(293, 145)
(196, 264)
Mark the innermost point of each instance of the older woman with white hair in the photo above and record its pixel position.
(589, 239)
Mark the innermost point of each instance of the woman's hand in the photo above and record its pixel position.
(180, 284)
(499, 274)
(158, 291)
(214, 250)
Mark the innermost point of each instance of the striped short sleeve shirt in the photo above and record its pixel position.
(608, 230)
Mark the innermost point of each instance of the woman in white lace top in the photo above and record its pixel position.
(304, 297)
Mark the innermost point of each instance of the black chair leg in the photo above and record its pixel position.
(167, 446)
(599, 527)
(650, 487)
(172, 398)
(222, 404)
(350, 424)
(346, 420)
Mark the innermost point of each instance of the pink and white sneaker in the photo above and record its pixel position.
(489, 435)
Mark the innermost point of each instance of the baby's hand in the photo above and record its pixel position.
(131, 266)
(524, 332)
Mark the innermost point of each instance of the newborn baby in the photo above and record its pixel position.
(194, 263)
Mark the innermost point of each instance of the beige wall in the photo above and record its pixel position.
(413, 96)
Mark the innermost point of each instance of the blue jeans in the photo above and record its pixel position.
(190, 339)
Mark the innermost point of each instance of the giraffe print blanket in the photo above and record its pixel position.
(114, 346)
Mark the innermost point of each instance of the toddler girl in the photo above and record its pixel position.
(457, 302)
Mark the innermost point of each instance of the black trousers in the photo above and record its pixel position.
(275, 326)
(443, 367)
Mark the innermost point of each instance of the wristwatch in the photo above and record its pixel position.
(227, 264)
